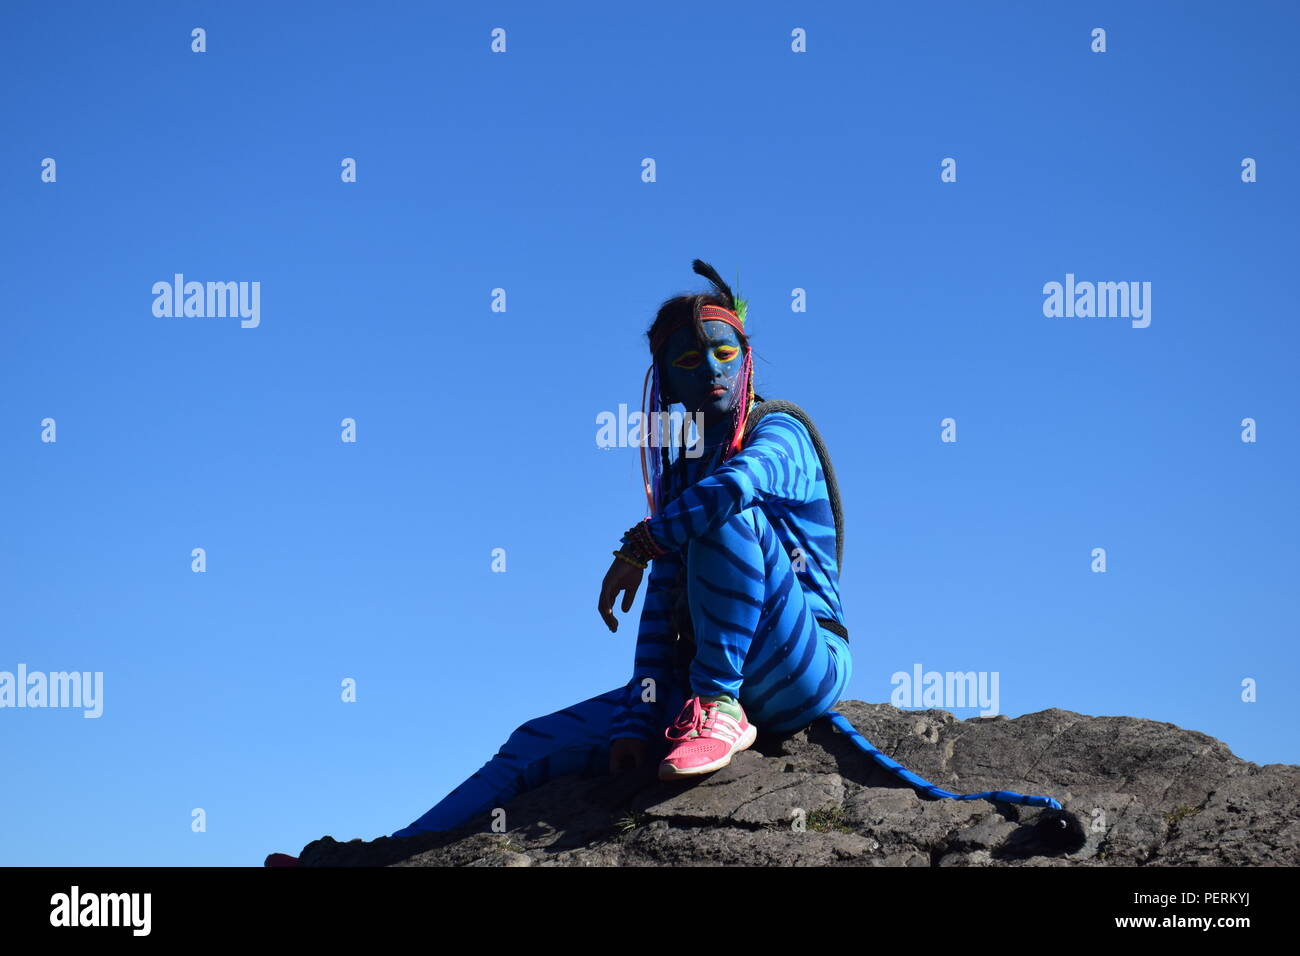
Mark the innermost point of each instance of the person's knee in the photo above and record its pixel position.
(733, 549)
(529, 737)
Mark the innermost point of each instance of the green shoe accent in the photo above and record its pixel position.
(727, 705)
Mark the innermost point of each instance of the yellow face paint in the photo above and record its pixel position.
(689, 359)
(692, 359)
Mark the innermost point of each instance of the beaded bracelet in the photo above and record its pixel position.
(643, 529)
(641, 543)
(631, 561)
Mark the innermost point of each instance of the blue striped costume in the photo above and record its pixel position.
(754, 541)
(752, 611)
(752, 557)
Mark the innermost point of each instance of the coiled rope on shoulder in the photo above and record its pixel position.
(837, 719)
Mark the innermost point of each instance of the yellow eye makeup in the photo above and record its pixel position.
(688, 360)
(693, 359)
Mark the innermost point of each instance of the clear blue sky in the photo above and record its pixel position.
(476, 430)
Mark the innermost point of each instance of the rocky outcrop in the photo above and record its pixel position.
(1133, 792)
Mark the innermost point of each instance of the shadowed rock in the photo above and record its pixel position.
(1133, 792)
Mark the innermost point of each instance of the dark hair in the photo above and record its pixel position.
(686, 308)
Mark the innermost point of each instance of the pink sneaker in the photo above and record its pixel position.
(709, 731)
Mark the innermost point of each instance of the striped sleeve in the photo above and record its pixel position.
(778, 464)
(655, 647)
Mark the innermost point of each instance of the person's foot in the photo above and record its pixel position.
(707, 732)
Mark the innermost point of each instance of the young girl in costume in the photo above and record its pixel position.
(742, 627)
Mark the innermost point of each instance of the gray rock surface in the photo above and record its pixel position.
(1142, 792)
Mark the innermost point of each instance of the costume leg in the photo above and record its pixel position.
(755, 634)
(572, 740)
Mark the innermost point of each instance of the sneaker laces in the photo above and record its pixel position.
(695, 719)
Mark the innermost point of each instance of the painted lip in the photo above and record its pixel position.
(717, 390)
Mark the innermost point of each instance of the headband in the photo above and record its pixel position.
(707, 313)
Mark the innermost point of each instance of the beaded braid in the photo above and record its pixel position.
(740, 413)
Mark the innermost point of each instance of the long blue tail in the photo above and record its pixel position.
(838, 719)
(863, 744)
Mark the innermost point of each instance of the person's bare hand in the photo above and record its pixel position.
(626, 753)
(621, 576)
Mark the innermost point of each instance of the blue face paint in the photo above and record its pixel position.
(704, 380)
